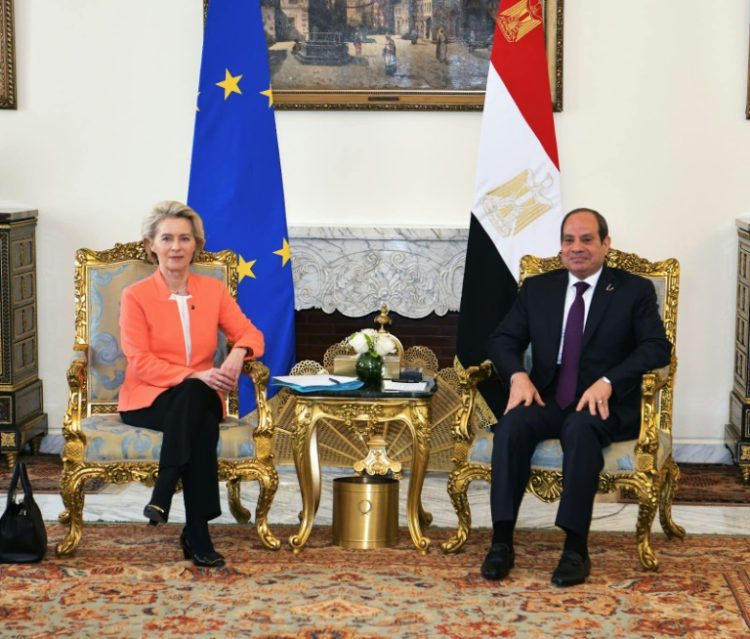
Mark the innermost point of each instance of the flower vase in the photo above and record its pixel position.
(370, 368)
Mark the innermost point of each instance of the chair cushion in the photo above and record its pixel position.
(618, 458)
(108, 439)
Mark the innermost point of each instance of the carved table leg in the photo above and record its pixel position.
(301, 440)
(420, 424)
(313, 459)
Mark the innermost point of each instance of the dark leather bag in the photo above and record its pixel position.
(23, 537)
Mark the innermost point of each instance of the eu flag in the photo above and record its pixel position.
(235, 176)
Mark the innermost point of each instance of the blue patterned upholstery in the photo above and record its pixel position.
(618, 458)
(109, 440)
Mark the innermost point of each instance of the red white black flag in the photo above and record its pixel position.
(516, 208)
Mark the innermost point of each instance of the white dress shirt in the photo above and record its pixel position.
(182, 307)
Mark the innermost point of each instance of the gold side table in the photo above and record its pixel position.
(365, 412)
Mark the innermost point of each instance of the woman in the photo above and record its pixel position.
(389, 55)
(441, 47)
(168, 327)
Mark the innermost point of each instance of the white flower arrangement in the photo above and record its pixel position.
(371, 341)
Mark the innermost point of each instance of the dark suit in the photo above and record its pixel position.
(623, 338)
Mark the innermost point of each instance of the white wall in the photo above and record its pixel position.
(653, 135)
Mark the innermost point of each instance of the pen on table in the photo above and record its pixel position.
(334, 380)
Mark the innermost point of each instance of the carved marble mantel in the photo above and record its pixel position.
(355, 270)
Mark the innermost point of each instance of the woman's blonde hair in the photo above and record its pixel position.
(171, 208)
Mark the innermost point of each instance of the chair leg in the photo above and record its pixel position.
(268, 481)
(668, 488)
(458, 487)
(425, 518)
(269, 484)
(73, 495)
(239, 512)
(648, 496)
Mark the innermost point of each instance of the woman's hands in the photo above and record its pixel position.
(224, 378)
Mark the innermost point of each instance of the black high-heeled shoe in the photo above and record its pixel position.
(209, 559)
(157, 510)
(155, 514)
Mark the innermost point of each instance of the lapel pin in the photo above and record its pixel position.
(610, 287)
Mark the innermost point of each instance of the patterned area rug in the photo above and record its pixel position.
(707, 484)
(44, 472)
(711, 483)
(129, 580)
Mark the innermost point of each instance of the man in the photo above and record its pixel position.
(593, 332)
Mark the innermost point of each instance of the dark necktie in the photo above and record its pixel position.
(567, 380)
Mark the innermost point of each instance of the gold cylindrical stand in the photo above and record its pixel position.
(365, 512)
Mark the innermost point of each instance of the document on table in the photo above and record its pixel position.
(404, 387)
(312, 383)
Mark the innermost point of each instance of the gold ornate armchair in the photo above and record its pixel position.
(98, 445)
(643, 467)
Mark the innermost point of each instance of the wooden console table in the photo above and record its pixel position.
(22, 417)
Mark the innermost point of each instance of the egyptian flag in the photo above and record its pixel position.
(516, 208)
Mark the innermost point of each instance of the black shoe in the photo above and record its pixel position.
(209, 559)
(572, 569)
(156, 514)
(498, 562)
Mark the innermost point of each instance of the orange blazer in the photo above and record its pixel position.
(153, 342)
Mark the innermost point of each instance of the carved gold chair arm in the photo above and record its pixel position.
(77, 390)
(478, 374)
(257, 371)
(260, 375)
(662, 376)
(467, 387)
(652, 385)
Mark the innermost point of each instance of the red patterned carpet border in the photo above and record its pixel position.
(129, 580)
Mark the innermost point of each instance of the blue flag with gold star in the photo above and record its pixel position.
(235, 176)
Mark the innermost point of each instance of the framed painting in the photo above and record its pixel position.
(7, 56)
(395, 54)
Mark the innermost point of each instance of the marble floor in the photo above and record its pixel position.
(125, 503)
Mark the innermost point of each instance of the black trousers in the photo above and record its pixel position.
(188, 415)
(582, 437)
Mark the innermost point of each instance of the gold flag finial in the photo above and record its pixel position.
(383, 319)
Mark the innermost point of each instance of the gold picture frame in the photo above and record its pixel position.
(347, 68)
(7, 57)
